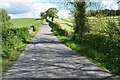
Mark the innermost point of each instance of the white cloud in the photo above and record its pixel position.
(42, 7)
(23, 15)
(4, 4)
(29, 8)
(110, 5)
(64, 14)
(20, 1)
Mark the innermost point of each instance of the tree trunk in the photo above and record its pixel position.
(80, 17)
(52, 18)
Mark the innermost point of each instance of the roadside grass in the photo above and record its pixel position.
(14, 41)
(25, 22)
(7, 62)
(95, 47)
(108, 62)
(84, 50)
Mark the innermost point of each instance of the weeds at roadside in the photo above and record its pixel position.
(98, 48)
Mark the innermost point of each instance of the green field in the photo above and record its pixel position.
(25, 22)
(67, 23)
(112, 18)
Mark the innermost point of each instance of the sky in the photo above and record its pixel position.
(33, 8)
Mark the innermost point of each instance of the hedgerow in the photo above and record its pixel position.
(13, 39)
(101, 49)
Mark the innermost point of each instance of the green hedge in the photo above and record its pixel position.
(35, 28)
(99, 48)
(13, 39)
(57, 27)
(107, 50)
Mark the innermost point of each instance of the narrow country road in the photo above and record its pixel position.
(46, 57)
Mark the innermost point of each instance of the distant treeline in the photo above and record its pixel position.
(105, 12)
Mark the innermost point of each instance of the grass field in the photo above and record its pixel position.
(67, 23)
(25, 22)
(94, 19)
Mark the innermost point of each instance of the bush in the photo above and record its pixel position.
(35, 28)
(97, 47)
(107, 50)
(4, 18)
(57, 27)
(13, 39)
(112, 30)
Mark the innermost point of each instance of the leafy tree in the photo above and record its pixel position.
(43, 15)
(80, 17)
(52, 13)
(4, 18)
(56, 16)
(105, 12)
(79, 13)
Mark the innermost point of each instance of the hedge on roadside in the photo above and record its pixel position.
(13, 39)
(107, 50)
(57, 27)
(99, 48)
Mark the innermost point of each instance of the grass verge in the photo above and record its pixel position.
(95, 49)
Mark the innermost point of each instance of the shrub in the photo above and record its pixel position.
(35, 28)
(112, 30)
(107, 50)
(98, 47)
(57, 27)
(13, 39)
(4, 18)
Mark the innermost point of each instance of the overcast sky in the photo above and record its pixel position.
(32, 8)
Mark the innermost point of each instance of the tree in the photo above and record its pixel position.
(4, 18)
(56, 16)
(43, 15)
(79, 13)
(52, 13)
(80, 17)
